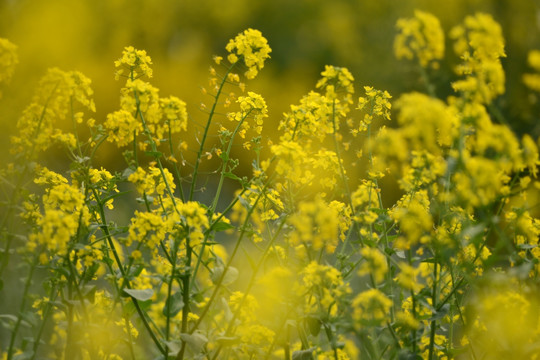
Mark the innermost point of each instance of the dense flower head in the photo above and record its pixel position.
(532, 80)
(482, 182)
(150, 182)
(266, 208)
(374, 264)
(371, 307)
(141, 108)
(250, 47)
(175, 114)
(121, 126)
(64, 212)
(58, 95)
(337, 83)
(317, 225)
(503, 320)
(412, 212)
(480, 44)
(424, 170)
(136, 62)
(312, 118)
(8, 60)
(244, 305)
(103, 181)
(147, 228)
(365, 200)
(325, 284)
(376, 103)
(420, 37)
(426, 123)
(254, 106)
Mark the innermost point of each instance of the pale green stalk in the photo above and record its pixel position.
(22, 307)
(205, 134)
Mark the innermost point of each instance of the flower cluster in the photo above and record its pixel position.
(136, 62)
(58, 93)
(8, 59)
(420, 37)
(250, 47)
(426, 247)
(480, 44)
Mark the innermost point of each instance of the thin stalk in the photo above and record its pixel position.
(425, 78)
(233, 254)
(208, 232)
(226, 162)
(169, 292)
(154, 149)
(205, 134)
(27, 284)
(46, 315)
(251, 283)
(175, 167)
(125, 280)
(338, 154)
(19, 184)
(434, 304)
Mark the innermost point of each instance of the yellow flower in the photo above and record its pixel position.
(253, 106)
(8, 60)
(480, 44)
(371, 307)
(374, 264)
(121, 127)
(57, 96)
(420, 37)
(136, 61)
(252, 48)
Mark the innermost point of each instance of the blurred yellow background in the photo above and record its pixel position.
(182, 35)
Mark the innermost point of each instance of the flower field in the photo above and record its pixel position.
(372, 226)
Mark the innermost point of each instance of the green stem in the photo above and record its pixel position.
(46, 315)
(251, 283)
(22, 307)
(125, 280)
(19, 183)
(175, 167)
(233, 254)
(154, 149)
(226, 162)
(205, 134)
(434, 304)
(208, 232)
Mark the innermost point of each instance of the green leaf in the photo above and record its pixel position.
(228, 340)
(437, 315)
(303, 354)
(173, 305)
(222, 226)
(141, 295)
(155, 154)
(9, 317)
(129, 309)
(314, 325)
(232, 176)
(195, 341)
(174, 347)
(230, 276)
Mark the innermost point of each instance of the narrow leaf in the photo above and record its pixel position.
(141, 295)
